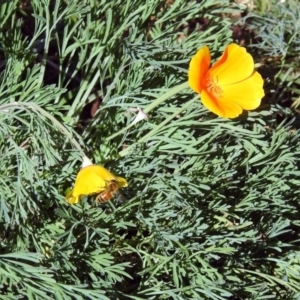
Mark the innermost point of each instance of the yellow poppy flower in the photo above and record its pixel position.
(231, 85)
(94, 179)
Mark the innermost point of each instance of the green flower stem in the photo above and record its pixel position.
(156, 129)
(154, 104)
(38, 109)
(175, 90)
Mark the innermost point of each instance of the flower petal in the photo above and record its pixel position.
(222, 109)
(90, 180)
(211, 103)
(122, 182)
(247, 93)
(70, 198)
(235, 65)
(230, 110)
(102, 173)
(199, 65)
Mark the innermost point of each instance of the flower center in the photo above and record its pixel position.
(212, 86)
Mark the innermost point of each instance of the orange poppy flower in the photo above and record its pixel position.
(231, 85)
(95, 179)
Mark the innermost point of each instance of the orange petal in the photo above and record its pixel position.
(211, 103)
(246, 95)
(199, 65)
(234, 65)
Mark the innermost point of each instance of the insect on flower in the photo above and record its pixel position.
(111, 190)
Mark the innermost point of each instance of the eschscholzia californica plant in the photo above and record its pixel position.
(95, 180)
(231, 85)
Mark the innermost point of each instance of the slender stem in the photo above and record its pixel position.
(156, 129)
(175, 90)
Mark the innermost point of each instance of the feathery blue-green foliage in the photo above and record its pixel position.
(212, 207)
(277, 36)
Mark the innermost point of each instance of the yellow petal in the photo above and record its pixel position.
(234, 65)
(72, 199)
(91, 180)
(230, 110)
(199, 65)
(122, 182)
(247, 93)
